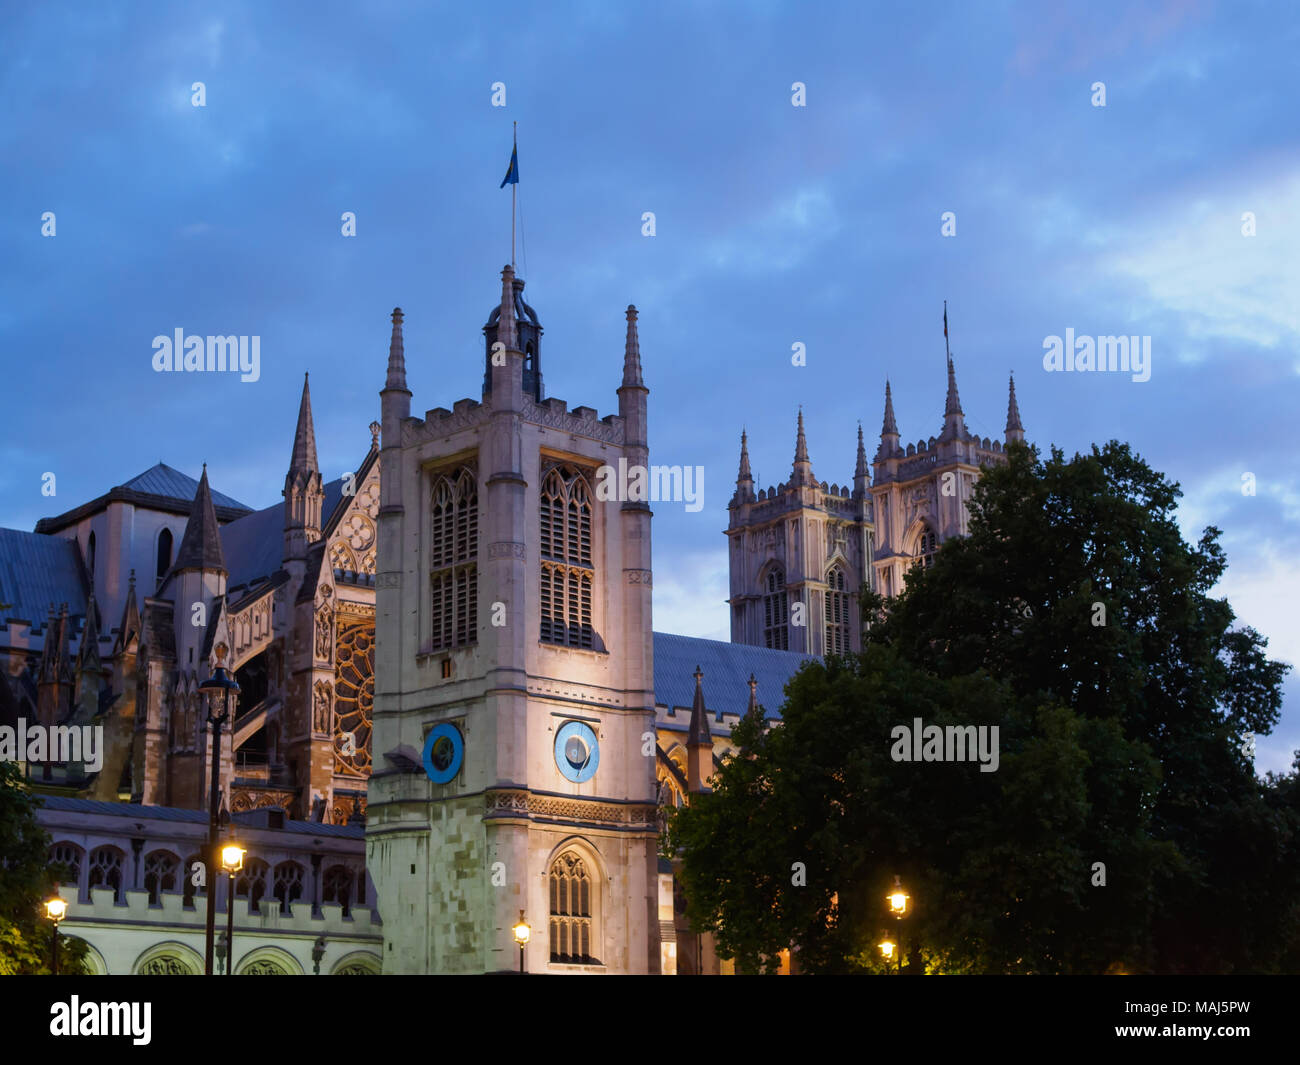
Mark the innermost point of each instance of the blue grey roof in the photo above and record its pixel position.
(38, 572)
(174, 813)
(726, 668)
(162, 480)
(254, 545)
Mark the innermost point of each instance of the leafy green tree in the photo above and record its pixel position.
(26, 881)
(1076, 587)
(801, 837)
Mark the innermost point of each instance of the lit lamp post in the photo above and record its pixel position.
(232, 860)
(56, 909)
(522, 935)
(887, 949)
(222, 691)
(898, 900)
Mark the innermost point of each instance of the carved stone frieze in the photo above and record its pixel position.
(515, 803)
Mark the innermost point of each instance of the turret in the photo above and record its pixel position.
(1015, 431)
(304, 493)
(802, 471)
(699, 742)
(744, 479)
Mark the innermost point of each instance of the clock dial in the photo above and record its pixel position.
(577, 751)
(444, 752)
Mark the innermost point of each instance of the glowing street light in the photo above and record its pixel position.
(522, 934)
(232, 860)
(55, 910)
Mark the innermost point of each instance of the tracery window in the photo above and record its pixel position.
(250, 883)
(354, 695)
(67, 856)
(571, 918)
(160, 873)
(837, 612)
(189, 890)
(776, 611)
(106, 870)
(926, 546)
(568, 572)
(454, 559)
(288, 884)
(337, 887)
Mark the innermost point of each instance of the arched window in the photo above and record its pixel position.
(189, 889)
(164, 554)
(106, 870)
(161, 869)
(337, 887)
(288, 884)
(90, 555)
(568, 572)
(837, 612)
(454, 559)
(776, 611)
(926, 546)
(65, 858)
(571, 920)
(250, 883)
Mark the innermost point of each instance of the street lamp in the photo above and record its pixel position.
(232, 860)
(887, 949)
(56, 909)
(522, 935)
(898, 900)
(222, 691)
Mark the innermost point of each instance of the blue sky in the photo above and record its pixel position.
(774, 225)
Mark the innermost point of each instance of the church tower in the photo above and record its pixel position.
(798, 557)
(514, 753)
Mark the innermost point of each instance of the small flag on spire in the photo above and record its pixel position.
(945, 313)
(512, 175)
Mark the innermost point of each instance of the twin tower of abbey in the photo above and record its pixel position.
(448, 670)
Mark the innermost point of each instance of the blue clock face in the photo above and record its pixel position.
(444, 751)
(577, 751)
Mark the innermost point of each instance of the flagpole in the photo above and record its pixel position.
(514, 185)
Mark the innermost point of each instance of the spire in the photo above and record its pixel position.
(129, 629)
(304, 436)
(201, 545)
(802, 471)
(396, 354)
(55, 667)
(890, 427)
(861, 480)
(744, 479)
(699, 731)
(632, 353)
(954, 428)
(88, 654)
(506, 332)
(1015, 431)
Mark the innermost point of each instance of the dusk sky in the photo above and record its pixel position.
(774, 225)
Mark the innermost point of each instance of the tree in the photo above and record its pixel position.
(1076, 587)
(26, 880)
(800, 839)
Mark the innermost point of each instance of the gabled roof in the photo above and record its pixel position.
(201, 544)
(158, 488)
(254, 545)
(726, 668)
(37, 574)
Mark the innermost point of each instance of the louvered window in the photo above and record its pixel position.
(776, 611)
(837, 612)
(571, 920)
(453, 555)
(567, 570)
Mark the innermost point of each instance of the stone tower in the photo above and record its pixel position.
(801, 552)
(514, 706)
(798, 556)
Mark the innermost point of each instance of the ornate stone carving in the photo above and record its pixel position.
(507, 549)
(322, 708)
(387, 580)
(438, 424)
(358, 530)
(354, 694)
(638, 576)
(368, 498)
(570, 422)
(165, 965)
(516, 803)
(324, 623)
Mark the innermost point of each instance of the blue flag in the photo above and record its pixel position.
(512, 175)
